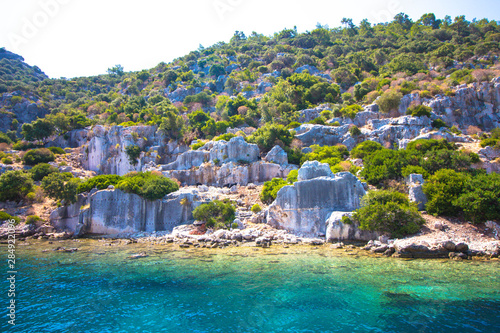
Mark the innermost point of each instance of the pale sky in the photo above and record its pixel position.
(70, 38)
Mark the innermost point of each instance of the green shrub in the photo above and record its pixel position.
(39, 171)
(7, 160)
(318, 121)
(382, 165)
(33, 219)
(5, 217)
(351, 111)
(196, 146)
(389, 212)
(271, 135)
(24, 145)
(57, 150)
(292, 176)
(438, 123)
(217, 214)
(422, 146)
(133, 153)
(147, 184)
(35, 156)
(354, 130)
(442, 190)
(256, 208)
(480, 200)
(225, 137)
(271, 188)
(414, 169)
(4, 138)
(61, 186)
(326, 154)
(100, 182)
(493, 142)
(419, 111)
(293, 125)
(365, 148)
(389, 101)
(15, 185)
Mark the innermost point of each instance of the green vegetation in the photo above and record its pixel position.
(269, 136)
(151, 186)
(476, 196)
(388, 212)
(419, 111)
(61, 186)
(133, 153)
(39, 171)
(493, 140)
(365, 148)
(57, 150)
(216, 214)
(40, 155)
(15, 185)
(5, 217)
(256, 208)
(271, 188)
(292, 176)
(33, 219)
(100, 182)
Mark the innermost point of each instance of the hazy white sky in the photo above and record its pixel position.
(69, 38)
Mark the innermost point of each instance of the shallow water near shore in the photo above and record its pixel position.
(244, 289)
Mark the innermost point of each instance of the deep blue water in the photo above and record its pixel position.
(98, 289)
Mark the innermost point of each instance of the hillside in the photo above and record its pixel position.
(335, 110)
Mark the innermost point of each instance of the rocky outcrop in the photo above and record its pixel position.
(277, 155)
(105, 152)
(314, 169)
(322, 135)
(338, 230)
(230, 173)
(25, 111)
(71, 139)
(415, 190)
(305, 206)
(113, 212)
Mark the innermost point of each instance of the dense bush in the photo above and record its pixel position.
(100, 182)
(419, 111)
(292, 176)
(149, 185)
(14, 185)
(326, 154)
(442, 190)
(271, 188)
(217, 214)
(269, 136)
(389, 101)
(61, 186)
(365, 148)
(5, 217)
(57, 150)
(24, 145)
(35, 156)
(480, 199)
(256, 208)
(33, 219)
(39, 171)
(388, 212)
(4, 138)
(438, 123)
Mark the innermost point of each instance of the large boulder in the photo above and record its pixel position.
(305, 206)
(314, 169)
(277, 155)
(236, 150)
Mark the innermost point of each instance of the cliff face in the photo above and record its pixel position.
(113, 211)
(305, 206)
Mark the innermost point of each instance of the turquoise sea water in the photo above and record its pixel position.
(298, 289)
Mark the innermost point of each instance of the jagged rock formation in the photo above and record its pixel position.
(113, 212)
(71, 139)
(230, 173)
(105, 152)
(305, 206)
(25, 111)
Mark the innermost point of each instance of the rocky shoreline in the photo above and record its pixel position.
(263, 236)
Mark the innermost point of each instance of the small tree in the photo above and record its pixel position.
(217, 214)
(388, 212)
(133, 153)
(39, 171)
(271, 188)
(15, 185)
(389, 101)
(442, 190)
(61, 186)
